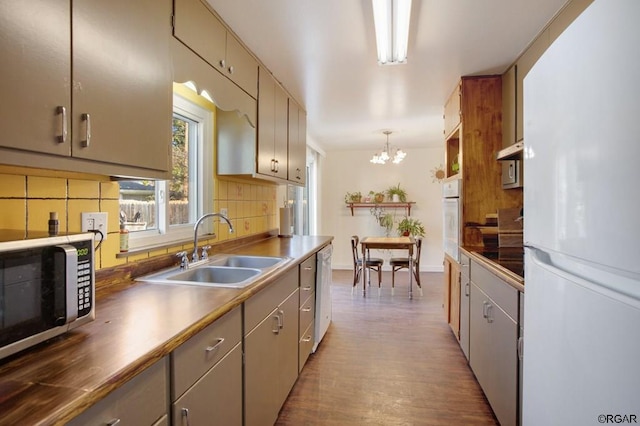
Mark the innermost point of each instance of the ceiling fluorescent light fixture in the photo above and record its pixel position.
(391, 19)
(388, 153)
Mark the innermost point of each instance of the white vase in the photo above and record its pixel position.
(395, 198)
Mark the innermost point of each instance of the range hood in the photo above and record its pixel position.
(513, 152)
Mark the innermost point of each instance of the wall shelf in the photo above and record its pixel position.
(406, 205)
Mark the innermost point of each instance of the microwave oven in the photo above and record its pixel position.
(47, 287)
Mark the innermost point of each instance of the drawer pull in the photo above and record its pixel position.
(219, 341)
(307, 288)
(113, 422)
(307, 339)
(308, 268)
(306, 309)
(276, 329)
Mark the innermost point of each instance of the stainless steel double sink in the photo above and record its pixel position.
(220, 270)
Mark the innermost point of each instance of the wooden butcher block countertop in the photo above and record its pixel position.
(136, 325)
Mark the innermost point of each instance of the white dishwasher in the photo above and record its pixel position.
(323, 294)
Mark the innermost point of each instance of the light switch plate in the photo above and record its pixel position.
(93, 221)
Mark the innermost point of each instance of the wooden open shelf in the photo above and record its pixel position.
(407, 205)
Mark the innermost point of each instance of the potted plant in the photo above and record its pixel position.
(353, 197)
(386, 221)
(409, 226)
(397, 194)
(377, 197)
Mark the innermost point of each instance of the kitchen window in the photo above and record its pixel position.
(160, 212)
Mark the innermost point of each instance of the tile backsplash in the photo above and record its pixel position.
(28, 195)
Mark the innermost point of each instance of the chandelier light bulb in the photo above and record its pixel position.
(394, 154)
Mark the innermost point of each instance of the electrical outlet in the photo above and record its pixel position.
(224, 212)
(93, 221)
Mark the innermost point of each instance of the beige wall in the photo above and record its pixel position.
(350, 170)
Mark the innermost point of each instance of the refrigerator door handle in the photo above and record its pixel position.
(619, 285)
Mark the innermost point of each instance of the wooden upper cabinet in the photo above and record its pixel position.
(123, 87)
(452, 112)
(197, 27)
(297, 143)
(509, 107)
(36, 75)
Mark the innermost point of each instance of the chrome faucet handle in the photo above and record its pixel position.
(205, 252)
(184, 260)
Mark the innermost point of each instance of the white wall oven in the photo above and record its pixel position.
(451, 213)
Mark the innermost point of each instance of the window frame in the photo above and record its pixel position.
(203, 156)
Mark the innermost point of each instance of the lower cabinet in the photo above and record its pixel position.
(216, 398)
(206, 372)
(493, 344)
(140, 401)
(307, 312)
(465, 299)
(271, 349)
(452, 294)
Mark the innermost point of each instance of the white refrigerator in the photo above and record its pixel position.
(581, 362)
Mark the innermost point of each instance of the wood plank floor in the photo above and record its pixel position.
(387, 360)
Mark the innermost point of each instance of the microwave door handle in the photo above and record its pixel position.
(71, 279)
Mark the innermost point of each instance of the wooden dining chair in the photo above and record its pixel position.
(373, 263)
(398, 263)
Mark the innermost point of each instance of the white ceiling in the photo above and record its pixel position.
(323, 53)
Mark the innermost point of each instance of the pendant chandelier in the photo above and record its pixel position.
(388, 153)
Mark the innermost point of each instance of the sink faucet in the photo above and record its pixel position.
(194, 256)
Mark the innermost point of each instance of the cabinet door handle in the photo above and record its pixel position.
(307, 339)
(185, 416)
(277, 168)
(62, 137)
(306, 309)
(520, 347)
(113, 422)
(489, 311)
(276, 320)
(281, 316)
(231, 69)
(484, 309)
(86, 118)
(273, 165)
(222, 63)
(466, 289)
(216, 345)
